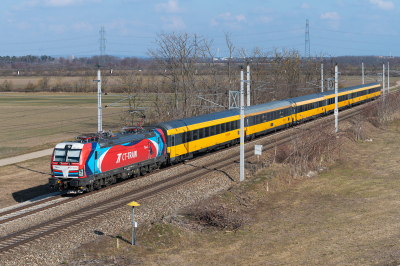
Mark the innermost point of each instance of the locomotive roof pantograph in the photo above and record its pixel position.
(106, 139)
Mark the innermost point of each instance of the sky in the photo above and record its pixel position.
(71, 27)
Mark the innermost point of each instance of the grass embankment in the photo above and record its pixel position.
(347, 215)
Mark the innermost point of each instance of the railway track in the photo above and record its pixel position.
(12, 241)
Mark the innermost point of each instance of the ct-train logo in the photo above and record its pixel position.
(126, 156)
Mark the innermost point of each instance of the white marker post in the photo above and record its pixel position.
(134, 224)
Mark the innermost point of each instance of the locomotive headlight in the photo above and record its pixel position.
(80, 173)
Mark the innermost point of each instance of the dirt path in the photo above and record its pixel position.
(25, 157)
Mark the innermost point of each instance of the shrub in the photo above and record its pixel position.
(218, 216)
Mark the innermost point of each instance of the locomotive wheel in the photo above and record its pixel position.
(96, 184)
(90, 188)
(143, 170)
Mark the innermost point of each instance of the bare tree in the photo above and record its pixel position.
(231, 49)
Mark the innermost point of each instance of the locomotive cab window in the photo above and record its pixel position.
(62, 155)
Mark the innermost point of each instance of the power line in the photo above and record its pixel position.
(355, 41)
(49, 41)
(356, 33)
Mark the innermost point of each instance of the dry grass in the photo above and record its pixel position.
(23, 181)
(35, 121)
(345, 216)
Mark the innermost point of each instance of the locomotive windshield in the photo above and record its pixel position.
(62, 155)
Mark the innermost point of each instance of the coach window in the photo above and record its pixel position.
(233, 125)
(228, 126)
(207, 134)
(183, 138)
(189, 136)
(217, 129)
(201, 133)
(223, 128)
(194, 134)
(212, 131)
(178, 139)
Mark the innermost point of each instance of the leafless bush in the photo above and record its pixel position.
(7, 86)
(370, 113)
(218, 216)
(388, 107)
(282, 153)
(309, 148)
(356, 130)
(30, 87)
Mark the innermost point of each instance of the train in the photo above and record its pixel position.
(97, 160)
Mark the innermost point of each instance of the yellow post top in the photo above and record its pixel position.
(133, 204)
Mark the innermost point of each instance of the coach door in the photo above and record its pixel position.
(186, 137)
(173, 149)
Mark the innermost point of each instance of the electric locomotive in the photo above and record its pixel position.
(97, 160)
